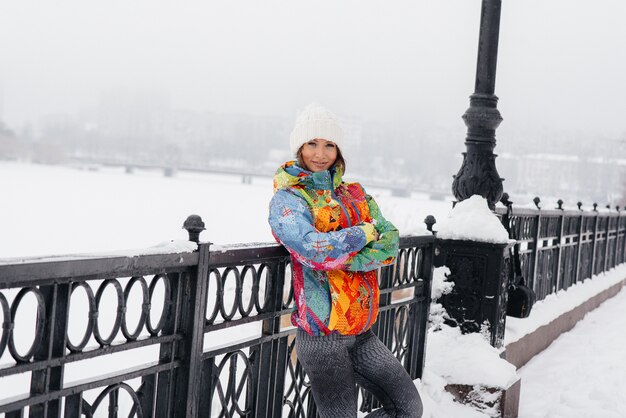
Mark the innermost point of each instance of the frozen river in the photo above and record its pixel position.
(59, 210)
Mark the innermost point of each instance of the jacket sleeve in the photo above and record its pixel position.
(293, 226)
(381, 252)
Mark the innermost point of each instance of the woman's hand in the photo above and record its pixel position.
(371, 234)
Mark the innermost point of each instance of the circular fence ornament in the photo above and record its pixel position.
(39, 323)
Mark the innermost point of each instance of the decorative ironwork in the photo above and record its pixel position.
(236, 382)
(112, 392)
(480, 276)
(39, 327)
(557, 249)
(568, 246)
(298, 399)
(217, 320)
(464, 301)
(478, 174)
(249, 284)
(194, 226)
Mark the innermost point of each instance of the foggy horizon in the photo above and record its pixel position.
(560, 64)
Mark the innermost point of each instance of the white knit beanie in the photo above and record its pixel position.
(315, 122)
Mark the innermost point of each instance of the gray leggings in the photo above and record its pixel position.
(336, 363)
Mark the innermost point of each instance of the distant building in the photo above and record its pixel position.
(9, 144)
(569, 177)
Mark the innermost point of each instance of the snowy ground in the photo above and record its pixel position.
(59, 210)
(583, 373)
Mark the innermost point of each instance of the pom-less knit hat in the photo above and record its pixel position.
(315, 122)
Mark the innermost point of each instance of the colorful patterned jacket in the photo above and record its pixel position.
(328, 228)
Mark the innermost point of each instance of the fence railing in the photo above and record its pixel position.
(185, 334)
(559, 248)
(208, 332)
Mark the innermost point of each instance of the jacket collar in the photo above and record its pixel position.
(291, 174)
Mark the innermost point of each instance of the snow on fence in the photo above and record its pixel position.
(203, 332)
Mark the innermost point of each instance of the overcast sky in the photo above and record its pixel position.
(561, 66)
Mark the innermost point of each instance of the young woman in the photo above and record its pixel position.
(337, 239)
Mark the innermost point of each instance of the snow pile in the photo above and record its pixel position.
(465, 359)
(471, 219)
(439, 403)
(556, 304)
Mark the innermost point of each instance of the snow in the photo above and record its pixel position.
(440, 285)
(51, 212)
(438, 403)
(583, 373)
(166, 247)
(592, 388)
(449, 350)
(449, 353)
(556, 304)
(471, 219)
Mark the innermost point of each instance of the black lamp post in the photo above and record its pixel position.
(478, 173)
(479, 270)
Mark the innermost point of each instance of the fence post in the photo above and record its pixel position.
(623, 249)
(579, 244)
(270, 358)
(606, 241)
(280, 346)
(480, 276)
(56, 300)
(559, 250)
(418, 350)
(191, 325)
(617, 240)
(532, 281)
(594, 242)
(384, 324)
(166, 380)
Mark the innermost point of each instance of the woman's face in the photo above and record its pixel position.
(319, 154)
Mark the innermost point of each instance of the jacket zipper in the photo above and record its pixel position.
(357, 211)
(343, 208)
(371, 307)
(369, 288)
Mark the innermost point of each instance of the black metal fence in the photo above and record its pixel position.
(186, 334)
(559, 248)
